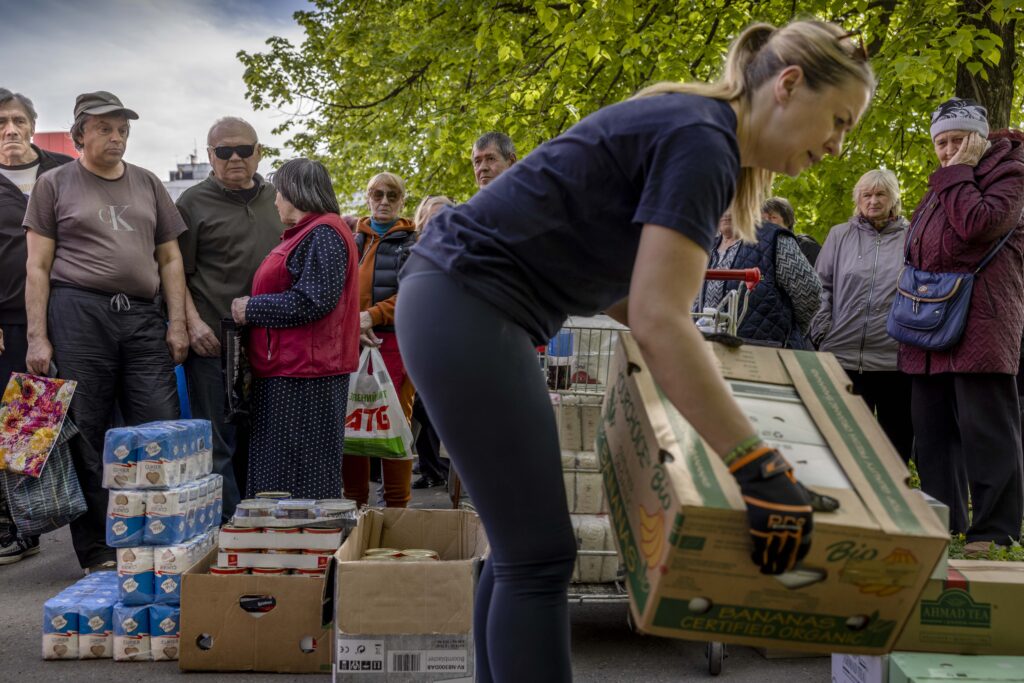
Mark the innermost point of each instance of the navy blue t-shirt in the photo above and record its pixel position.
(557, 233)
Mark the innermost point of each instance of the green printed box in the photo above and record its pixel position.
(976, 609)
(680, 522)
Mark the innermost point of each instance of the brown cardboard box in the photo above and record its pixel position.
(681, 525)
(280, 624)
(408, 621)
(978, 609)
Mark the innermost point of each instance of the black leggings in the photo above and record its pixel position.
(478, 372)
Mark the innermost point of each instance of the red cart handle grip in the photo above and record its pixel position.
(750, 276)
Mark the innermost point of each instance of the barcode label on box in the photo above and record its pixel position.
(361, 656)
(428, 661)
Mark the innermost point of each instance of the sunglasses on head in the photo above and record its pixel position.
(225, 152)
(377, 195)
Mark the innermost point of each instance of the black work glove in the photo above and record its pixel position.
(778, 509)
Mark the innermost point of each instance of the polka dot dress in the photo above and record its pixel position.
(298, 423)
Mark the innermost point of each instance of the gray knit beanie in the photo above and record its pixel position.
(960, 114)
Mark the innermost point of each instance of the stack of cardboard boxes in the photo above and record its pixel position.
(578, 416)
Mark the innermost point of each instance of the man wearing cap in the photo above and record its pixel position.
(102, 247)
(232, 225)
(21, 164)
(964, 404)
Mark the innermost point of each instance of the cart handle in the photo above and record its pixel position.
(750, 276)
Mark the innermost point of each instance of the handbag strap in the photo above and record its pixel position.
(984, 262)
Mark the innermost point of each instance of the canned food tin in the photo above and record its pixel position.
(380, 558)
(295, 509)
(231, 529)
(283, 551)
(324, 530)
(274, 495)
(335, 508)
(268, 571)
(421, 553)
(393, 552)
(241, 550)
(316, 573)
(283, 530)
(228, 571)
(317, 551)
(255, 507)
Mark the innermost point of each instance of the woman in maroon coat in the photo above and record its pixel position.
(964, 406)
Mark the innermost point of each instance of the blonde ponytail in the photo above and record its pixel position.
(759, 52)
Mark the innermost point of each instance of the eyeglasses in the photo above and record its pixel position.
(225, 152)
(377, 195)
(860, 50)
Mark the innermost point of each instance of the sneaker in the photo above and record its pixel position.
(426, 482)
(19, 549)
(109, 565)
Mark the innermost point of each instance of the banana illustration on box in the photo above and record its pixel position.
(883, 577)
(652, 535)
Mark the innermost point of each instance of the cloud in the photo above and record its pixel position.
(172, 62)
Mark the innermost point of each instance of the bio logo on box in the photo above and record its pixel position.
(955, 606)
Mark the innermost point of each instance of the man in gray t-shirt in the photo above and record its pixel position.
(102, 246)
(232, 226)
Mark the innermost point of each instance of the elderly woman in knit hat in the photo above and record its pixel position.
(964, 405)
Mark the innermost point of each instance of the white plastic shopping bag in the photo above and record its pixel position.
(374, 423)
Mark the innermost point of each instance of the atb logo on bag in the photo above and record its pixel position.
(374, 418)
(374, 423)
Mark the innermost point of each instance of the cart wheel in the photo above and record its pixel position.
(715, 653)
(631, 624)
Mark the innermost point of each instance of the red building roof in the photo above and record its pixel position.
(56, 142)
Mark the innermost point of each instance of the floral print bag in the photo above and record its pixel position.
(37, 474)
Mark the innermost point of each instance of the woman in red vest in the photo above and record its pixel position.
(303, 342)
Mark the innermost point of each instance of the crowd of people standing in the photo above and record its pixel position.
(107, 281)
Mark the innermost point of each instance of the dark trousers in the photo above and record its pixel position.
(115, 356)
(428, 445)
(968, 433)
(206, 398)
(477, 372)
(888, 396)
(11, 360)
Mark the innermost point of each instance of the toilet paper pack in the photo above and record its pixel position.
(164, 622)
(95, 628)
(126, 517)
(60, 628)
(131, 633)
(166, 516)
(135, 572)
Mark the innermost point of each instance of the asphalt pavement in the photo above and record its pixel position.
(603, 646)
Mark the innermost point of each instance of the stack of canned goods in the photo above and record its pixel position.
(269, 512)
(396, 555)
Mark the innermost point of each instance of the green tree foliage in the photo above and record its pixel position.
(408, 85)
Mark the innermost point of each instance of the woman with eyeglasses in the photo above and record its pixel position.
(384, 240)
(623, 204)
(303, 340)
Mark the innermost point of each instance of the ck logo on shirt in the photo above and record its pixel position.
(114, 216)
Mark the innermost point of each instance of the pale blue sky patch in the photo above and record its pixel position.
(172, 61)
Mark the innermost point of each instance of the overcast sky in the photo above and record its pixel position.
(172, 61)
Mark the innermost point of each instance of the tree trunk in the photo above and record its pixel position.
(996, 93)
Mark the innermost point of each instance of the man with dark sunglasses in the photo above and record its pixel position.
(233, 225)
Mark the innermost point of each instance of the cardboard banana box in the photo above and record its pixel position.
(680, 522)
